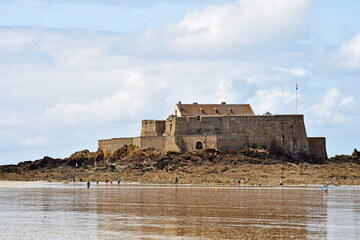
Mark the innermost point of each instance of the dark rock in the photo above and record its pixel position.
(356, 153)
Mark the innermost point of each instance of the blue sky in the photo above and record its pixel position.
(73, 72)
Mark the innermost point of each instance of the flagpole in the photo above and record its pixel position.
(296, 97)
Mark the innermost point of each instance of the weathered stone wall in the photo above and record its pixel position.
(169, 127)
(153, 127)
(167, 143)
(157, 142)
(318, 148)
(224, 133)
(240, 131)
(111, 145)
(188, 143)
(236, 142)
(173, 143)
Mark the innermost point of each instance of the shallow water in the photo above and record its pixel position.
(132, 211)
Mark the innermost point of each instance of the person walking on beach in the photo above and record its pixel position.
(325, 189)
(118, 180)
(88, 184)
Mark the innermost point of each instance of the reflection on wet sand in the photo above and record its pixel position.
(230, 213)
(70, 211)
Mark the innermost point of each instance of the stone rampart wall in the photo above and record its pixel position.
(188, 143)
(111, 145)
(236, 142)
(167, 143)
(287, 130)
(318, 148)
(224, 133)
(157, 142)
(153, 127)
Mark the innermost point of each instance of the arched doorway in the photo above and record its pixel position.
(199, 145)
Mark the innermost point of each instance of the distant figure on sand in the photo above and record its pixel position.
(176, 180)
(259, 184)
(88, 184)
(118, 180)
(325, 189)
(280, 183)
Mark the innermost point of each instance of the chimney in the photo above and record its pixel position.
(195, 103)
(223, 102)
(179, 103)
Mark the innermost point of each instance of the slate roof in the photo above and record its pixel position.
(215, 109)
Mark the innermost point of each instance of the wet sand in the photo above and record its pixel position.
(40, 210)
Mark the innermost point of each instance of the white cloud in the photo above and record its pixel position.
(215, 29)
(297, 72)
(344, 57)
(244, 23)
(329, 109)
(349, 53)
(14, 41)
(346, 101)
(130, 101)
(225, 91)
(274, 100)
(34, 141)
(227, 28)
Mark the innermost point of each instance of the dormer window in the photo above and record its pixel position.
(202, 111)
(230, 111)
(216, 110)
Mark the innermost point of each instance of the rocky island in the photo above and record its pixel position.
(209, 167)
(204, 144)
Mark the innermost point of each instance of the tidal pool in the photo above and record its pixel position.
(137, 211)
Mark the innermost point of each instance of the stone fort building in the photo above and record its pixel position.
(223, 127)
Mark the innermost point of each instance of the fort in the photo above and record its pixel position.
(224, 127)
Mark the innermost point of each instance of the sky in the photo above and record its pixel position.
(73, 72)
